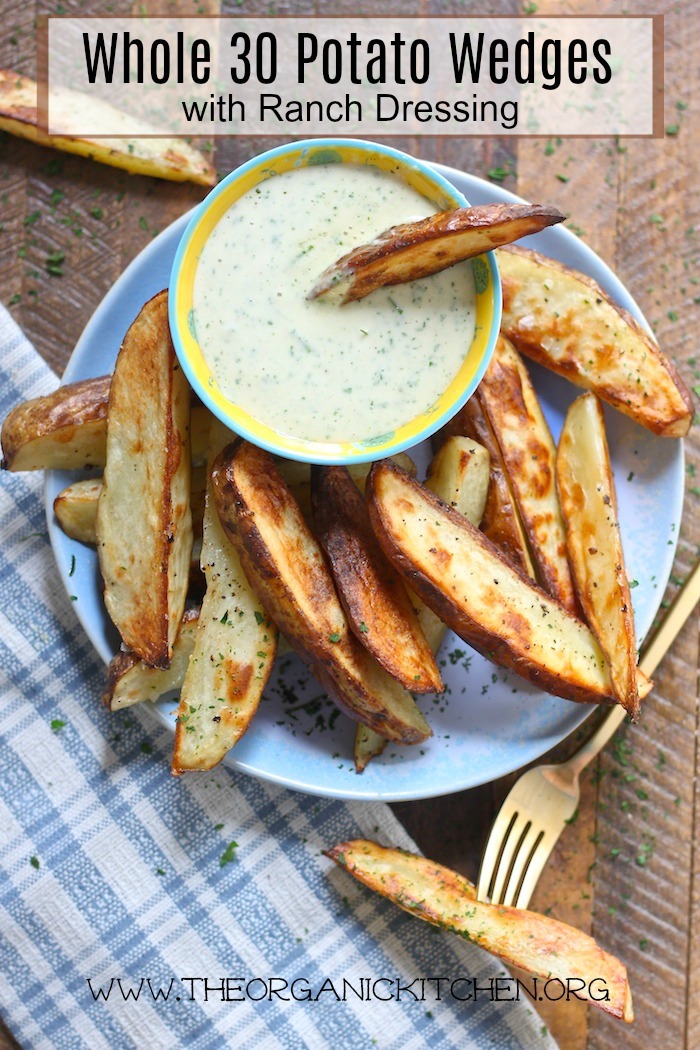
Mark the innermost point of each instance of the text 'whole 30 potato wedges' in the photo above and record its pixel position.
(65, 430)
(589, 506)
(234, 648)
(418, 249)
(162, 157)
(489, 603)
(371, 592)
(287, 569)
(508, 398)
(539, 945)
(144, 523)
(566, 322)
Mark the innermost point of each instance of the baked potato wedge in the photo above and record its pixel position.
(160, 156)
(144, 523)
(589, 505)
(508, 398)
(65, 430)
(234, 649)
(488, 602)
(566, 322)
(459, 475)
(418, 249)
(75, 506)
(130, 680)
(373, 595)
(500, 520)
(538, 944)
(286, 568)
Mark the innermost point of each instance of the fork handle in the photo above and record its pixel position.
(654, 652)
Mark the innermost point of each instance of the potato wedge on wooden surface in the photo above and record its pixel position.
(162, 157)
(418, 249)
(589, 505)
(459, 475)
(287, 569)
(144, 523)
(508, 398)
(130, 680)
(538, 944)
(234, 650)
(488, 602)
(566, 322)
(500, 520)
(65, 430)
(372, 593)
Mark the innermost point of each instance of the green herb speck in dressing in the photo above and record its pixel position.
(312, 369)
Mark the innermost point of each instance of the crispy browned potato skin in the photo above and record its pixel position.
(418, 249)
(537, 944)
(571, 325)
(296, 589)
(144, 522)
(508, 398)
(176, 161)
(371, 592)
(63, 430)
(126, 665)
(487, 623)
(500, 521)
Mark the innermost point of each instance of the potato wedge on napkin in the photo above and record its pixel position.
(418, 249)
(489, 603)
(372, 593)
(508, 398)
(566, 322)
(144, 522)
(234, 649)
(287, 569)
(160, 156)
(538, 944)
(589, 505)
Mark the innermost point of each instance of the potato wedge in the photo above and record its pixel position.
(508, 398)
(234, 649)
(287, 569)
(144, 523)
(566, 322)
(459, 475)
(489, 603)
(372, 594)
(538, 944)
(589, 505)
(418, 249)
(75, 506)
(66, 430)
(500, 520)
(162, 157)
(130, 680)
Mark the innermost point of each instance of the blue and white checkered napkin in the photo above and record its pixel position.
(113, 870)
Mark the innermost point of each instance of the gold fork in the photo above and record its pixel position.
(543, 800)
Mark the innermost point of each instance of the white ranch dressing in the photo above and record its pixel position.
(313, 369)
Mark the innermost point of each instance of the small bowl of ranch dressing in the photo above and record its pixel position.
(309, 379)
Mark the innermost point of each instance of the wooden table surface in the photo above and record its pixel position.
(627, 869)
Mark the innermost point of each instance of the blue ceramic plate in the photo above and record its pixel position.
(488, 723)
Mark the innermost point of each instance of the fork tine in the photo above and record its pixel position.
(537, 862)
(521, 863)
(511, 848)
(494, 847)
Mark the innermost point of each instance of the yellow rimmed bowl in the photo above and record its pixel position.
(419, 176)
